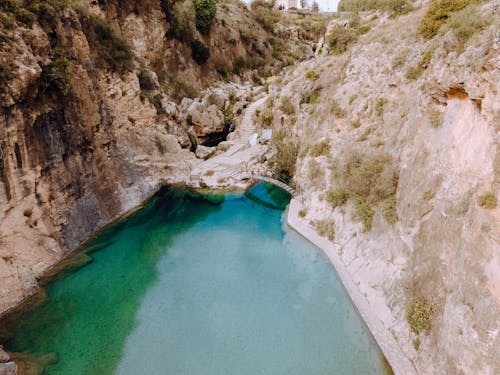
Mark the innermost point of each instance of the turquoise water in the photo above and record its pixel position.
(188, 286)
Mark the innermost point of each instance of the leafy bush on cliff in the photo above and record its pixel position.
(487, 200)
(182, 19)
(264, 14)
(110, 49)
(56, 74)
(465, 23)
(368, 182)
(285, 158)
(416, 71)
(205, 14)
(419, 313)
(199, 52)
(437, 14)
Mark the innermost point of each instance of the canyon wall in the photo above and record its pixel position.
(90, 120)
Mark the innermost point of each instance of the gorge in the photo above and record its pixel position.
(383, 118)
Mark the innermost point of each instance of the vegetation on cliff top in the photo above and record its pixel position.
(437, 14)
(393, 7)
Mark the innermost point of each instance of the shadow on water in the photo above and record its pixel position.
(97, 305)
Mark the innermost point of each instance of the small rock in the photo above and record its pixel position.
(203, 152)
(9, 368)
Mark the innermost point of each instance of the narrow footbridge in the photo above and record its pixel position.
(272, 181)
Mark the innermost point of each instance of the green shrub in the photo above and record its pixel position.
(435, 118)
(199, 52)
(205, 14)
(487, 200)
(312, 75)
(285, 158)
(356, 123)
(182, 19)
(302, 213)
(380, 106)
(110, 49)
(465, 23)
(340, 38)
(337, 110)
(287, 106)
(336, 197)
(367, 181)
(325, 228)
(179, 90)
(437, 14)
(428, 195)
(146, 81)
(239, 65)
(25, 16)
(56, 74)
(264, 14)
(320, 149)
(267, 118)
(419, 314)
(416, 71)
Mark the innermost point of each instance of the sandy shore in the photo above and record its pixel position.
(368, 311)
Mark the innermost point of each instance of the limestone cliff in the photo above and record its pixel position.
(396, 159)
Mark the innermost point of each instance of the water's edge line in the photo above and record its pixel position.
(399, 362)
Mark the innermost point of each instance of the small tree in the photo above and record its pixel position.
(205, 14)
(315, 6)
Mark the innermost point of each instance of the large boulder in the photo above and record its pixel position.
(205, 120)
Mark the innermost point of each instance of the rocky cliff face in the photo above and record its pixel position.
(89, 123)
(394, 168)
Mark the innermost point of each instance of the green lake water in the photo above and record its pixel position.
(190, 286)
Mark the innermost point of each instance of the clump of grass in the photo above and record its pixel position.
(302, 213)
(356, 123)
(264, 14)
(368, 182)
(179, 89)
(416, 71)
(428, 195)
(465, 23)
(352, 98)
(287, 106)
(337, 111)
(435, 118)
(56, 74)
(437, 14)
(380, 106)
(340, 38)
(312, 75)
(419, 314)
(487, 200)
(320, 149)
(325, 228)
(267, 118)
(336, 197)
(110, 49)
